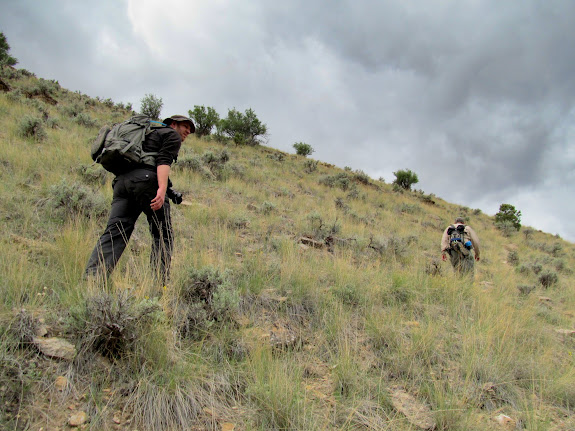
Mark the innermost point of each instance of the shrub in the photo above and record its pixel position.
(31, 127)
(277, 156)
(361, 177)
(536, 268)
(85, 120)
(267, 207)
(93, 174)
(44, 87)
(114, 325)
(239, 221)
(72, 110)
(244, 129)
(353, 192)
(205, 296)
(211, 164)
(319, 230)
(71, 198)
(204, 118)
(23, 327)
(513, 257)
(341, 180)
(151, 106)
(15, 96)
(310, 166)
(428, 199)
(391, 247)
(528, 232)
(409, 208)
(508, 214)
(340, 204)
(215, 161)
(303, 149)
(548, 279)
(193, 163)
(52, 123)
(348, 294)
(433, 266)
(554, 249)
(506, 227)
(525, 289)
(405, 179)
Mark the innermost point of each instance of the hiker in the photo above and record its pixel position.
(143, 189)
(462, 245)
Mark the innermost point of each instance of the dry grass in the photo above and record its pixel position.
(317, 336)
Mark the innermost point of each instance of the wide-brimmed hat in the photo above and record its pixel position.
(179, 119)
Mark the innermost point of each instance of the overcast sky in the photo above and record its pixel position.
(475, 96)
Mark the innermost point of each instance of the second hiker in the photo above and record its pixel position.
(461, 243)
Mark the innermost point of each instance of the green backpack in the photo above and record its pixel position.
(459, 239)
(119, 148)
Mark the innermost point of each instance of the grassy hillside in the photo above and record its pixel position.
(360, 326)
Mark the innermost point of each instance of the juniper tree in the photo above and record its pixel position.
(508, 214)
(204, 118)
(303, 149)
(5, 58)
(243, 128)
(405, 179)
(151, 106)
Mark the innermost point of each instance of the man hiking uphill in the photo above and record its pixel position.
(142, 189)
(461, 243)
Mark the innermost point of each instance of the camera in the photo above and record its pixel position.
(174, 196)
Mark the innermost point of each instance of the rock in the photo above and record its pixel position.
(505, 421)
(283, 337)
(566, 332)
(41, 330)
(311, 242)
(55, 348)
(228, 426)
(78, 419)
(417, 413)
(60, 383)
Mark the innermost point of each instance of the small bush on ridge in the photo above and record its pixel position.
(405, 179)
(303, 149)
(508, 215)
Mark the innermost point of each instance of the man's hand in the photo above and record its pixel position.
(477, 258)
(443, 257)
(158, 201)
(163, 172)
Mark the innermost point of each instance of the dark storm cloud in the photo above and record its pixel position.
(74, 43)
(483, 89)
(506, 67)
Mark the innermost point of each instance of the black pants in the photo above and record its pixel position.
(133, 193)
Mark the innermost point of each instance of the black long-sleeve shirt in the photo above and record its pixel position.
(166, 142)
